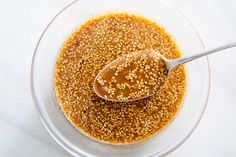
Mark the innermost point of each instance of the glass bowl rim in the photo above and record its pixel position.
(52, 131)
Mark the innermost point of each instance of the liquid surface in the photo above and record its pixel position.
(136, 75)
(87, 51)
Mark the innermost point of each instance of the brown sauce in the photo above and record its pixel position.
(87, 51)
(130, 77)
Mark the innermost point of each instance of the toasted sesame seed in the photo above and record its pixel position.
(127, 76)
(88, 50)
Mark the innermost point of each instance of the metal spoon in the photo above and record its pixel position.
(170, 65)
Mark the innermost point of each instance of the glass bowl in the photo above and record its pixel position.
(76, 13)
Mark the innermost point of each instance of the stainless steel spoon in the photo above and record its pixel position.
(170, 64)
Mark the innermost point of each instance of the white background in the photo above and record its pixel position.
(23, 135)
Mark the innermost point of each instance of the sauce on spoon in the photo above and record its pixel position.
(132, 77)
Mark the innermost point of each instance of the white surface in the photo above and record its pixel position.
(21, 131)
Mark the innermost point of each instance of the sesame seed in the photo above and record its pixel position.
(88, 50)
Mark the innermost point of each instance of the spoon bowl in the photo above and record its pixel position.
(138, 75)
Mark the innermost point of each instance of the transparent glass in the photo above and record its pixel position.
(75, 14)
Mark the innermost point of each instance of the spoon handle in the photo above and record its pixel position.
(177, 62)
